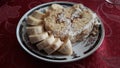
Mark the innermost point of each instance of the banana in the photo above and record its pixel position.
(34, 30)
(54, 47)
(47, 42)
(37, 14)
(33, 21)
(56, 6)
(38, 38)
(66, 48)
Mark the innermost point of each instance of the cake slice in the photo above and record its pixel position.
(54, 47)
(38, 38)
(66, 48)
(69, 21)
(47, 42)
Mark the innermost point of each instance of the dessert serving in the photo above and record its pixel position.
(58, 27)
(60, 31)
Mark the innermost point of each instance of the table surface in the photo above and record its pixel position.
(13, 56)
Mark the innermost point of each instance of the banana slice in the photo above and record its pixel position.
(56, 6)
(47, 42)
(37, 14)
(66, 48)
(34, 30)
(55, 46)
(38, 38)
(33, 21)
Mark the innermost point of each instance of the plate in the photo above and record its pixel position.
(81, 49)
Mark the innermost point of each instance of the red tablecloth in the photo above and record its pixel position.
(13, 56)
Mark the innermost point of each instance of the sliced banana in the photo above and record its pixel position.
(37, 14)
(56, 6)
(38, 38)
(33, 21)
(47, 42)
(34, 30)
(55, 46)
(66, 48)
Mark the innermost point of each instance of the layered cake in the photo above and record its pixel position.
(75, 22)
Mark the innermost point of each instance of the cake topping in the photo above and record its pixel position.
(77, 13)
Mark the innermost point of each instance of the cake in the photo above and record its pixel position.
(72, 22)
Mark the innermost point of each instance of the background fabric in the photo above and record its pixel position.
(13, 56)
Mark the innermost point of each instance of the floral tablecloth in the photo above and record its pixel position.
(13, 56)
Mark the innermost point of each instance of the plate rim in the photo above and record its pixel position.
(49, 60)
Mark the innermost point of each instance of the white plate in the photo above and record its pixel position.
(81, 49)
